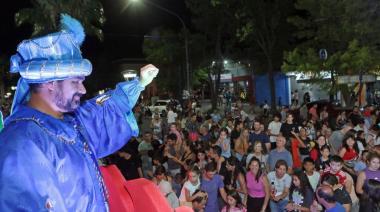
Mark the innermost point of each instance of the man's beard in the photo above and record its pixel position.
(67, 105)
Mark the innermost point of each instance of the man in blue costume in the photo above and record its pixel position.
(50, 144)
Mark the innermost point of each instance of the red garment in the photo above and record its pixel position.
(313, 113)
(296, 154)
(314, 154)
(350, 154)
(341, 175)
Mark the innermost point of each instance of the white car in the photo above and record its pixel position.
(161, 106)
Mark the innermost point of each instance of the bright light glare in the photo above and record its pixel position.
(129, 75)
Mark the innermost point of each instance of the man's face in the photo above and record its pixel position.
(147, 137)
(280, 171)
(68, 93)
(210, 174)
(256, 126)
(280, 141)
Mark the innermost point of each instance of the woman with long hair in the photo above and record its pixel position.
(300, 193)
(371, 172)
(372, 189)
(350, 149)
(315, 152)
(257, 187)
(258, 151)
(234, 179)
(242, 144)
(234, 203)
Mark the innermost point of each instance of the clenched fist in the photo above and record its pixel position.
(147, 74)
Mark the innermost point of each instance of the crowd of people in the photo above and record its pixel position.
(214, 162)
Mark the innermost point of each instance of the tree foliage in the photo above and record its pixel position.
(215, 25)
(262, 23)
(347, 29)
(44, 15)
(165, 48)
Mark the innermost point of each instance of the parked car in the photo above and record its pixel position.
(161, 106)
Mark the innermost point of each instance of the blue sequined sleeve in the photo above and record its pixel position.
(108, 119)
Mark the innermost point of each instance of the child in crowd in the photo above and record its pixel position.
(323, 161)
(199, 202)
(312, 175)
(360, 164)
(190, 186)
(234, 203)
(335, 168)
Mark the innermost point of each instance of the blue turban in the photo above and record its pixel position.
(56, 56)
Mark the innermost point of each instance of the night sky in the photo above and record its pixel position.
(124, 31)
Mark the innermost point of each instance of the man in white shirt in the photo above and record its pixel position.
(274, 130)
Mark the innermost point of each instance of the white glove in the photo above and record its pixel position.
(147, 74)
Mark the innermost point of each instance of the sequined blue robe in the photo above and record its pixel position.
(51, 164)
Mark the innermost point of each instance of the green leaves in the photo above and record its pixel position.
(44, 15)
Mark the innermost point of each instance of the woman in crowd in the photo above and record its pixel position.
(300, 193)
(160, 175)
(349, 150)
(242, 144)
(372, 189)
(315, 152)
(349, 153)
(257, 187)
(371, 172)
(299, 147)
(234, 180)
(201, 160)
(224, 143)
(259, 153)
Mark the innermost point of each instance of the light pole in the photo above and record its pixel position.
(186, 38)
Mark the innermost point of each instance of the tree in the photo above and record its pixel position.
(214, 21)
(348, 29)
(44, 15)
(263, 23)
(166, 49)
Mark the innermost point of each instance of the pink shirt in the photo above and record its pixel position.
(234, 209)
(255, 189)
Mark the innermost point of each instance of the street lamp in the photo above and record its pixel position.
(129, 74)
(186, 38)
